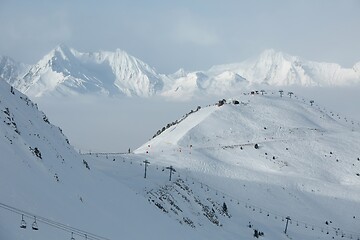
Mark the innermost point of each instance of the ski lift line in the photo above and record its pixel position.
(52, 223)
(71, 229)
(234, 198)
(26, 214)
(349, 233)
(104, 153)
(277, 215)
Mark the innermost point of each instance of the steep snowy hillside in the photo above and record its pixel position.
(43, 180)
(65, 71)
(10, 70)
(274, 155)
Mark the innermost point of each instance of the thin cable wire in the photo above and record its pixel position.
(52, 223)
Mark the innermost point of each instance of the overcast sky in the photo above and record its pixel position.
(194, 34)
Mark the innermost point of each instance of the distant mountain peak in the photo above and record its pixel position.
(66, 71)
(270, 52)
(276, 56)
(62, 47)
(62, 52)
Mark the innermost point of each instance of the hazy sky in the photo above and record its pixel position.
(194, 34)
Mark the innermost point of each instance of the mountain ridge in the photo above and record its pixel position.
(66, 71)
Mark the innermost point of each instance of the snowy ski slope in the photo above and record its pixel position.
(306, 167)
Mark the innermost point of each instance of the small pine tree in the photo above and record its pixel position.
(256, 233)
(224, 208)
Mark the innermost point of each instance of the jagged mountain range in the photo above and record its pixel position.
(66, 71)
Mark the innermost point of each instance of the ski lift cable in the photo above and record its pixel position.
(73, 230)
(357, 234)
(264, 209)
(257, 207)
(52, 223)
(30, 215)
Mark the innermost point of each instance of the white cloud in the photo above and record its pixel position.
(23, 34)
(190, 30)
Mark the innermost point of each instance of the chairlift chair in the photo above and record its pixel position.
(22, 223)
(34, 225)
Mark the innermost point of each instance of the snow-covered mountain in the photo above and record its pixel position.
(65, 71)
(11, 70)
(271, 68)
(270, 154)
(280, 69)
(201, 83)
(241, 167)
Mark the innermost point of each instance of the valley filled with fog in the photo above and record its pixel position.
(111, 124)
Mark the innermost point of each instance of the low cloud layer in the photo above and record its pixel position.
(99, 124)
